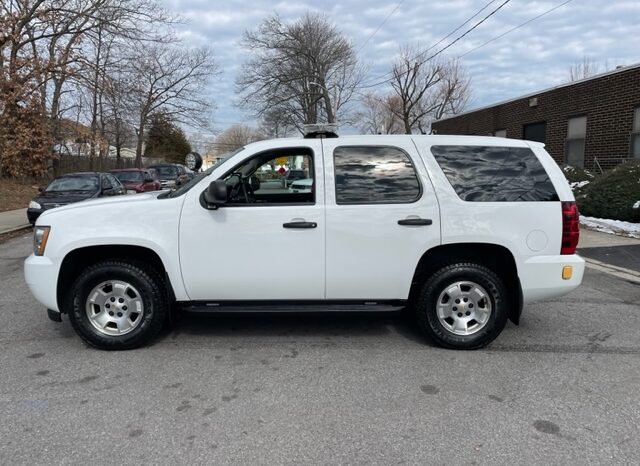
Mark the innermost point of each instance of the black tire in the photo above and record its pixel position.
(147, 282)
(438, 282)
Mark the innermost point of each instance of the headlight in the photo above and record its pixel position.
(40, 236)
(34, 205)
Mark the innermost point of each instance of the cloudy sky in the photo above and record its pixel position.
(528, 59)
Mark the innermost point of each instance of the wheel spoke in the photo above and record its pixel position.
(444, 311)
(98, 297)
(477, 294)
(102, 319)
(454, 291)
(124, 324)
(481, 315)
(459, 325)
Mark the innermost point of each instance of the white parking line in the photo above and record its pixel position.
(620, 272)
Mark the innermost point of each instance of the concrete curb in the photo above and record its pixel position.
(14, 229)
(620, 272)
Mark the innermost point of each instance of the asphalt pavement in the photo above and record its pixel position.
(562, 388)
(627, 257)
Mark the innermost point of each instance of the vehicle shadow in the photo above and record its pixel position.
(295, 324)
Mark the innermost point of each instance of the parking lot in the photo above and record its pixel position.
(562, 388)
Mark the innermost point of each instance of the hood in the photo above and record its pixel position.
(109, 201)
(63, 197)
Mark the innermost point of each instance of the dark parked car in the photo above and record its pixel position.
(137, 180)
(71, 188)
(293, 175)
(172, 174)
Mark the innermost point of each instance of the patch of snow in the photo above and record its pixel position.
(614, 227)
(578, 184)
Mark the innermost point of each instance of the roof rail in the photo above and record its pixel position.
(320, 130)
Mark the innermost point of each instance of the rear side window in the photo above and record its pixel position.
(495, 174)
(374, 175)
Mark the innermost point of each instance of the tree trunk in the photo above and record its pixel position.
(140, 131)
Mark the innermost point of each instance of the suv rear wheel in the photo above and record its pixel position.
(462, 306)
(117, 304)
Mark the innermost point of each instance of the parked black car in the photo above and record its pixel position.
(172, 174)
(71, 188)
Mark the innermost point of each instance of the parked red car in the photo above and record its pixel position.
(137, 180)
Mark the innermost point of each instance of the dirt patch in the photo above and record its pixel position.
(16, 194)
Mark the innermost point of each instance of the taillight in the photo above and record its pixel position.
(570, 228)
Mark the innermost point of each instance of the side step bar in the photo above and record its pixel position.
(292, 306)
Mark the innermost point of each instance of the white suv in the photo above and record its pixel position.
(461, 230)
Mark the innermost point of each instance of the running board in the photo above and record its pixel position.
(294, 306)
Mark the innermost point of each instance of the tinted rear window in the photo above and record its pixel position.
(495, 174)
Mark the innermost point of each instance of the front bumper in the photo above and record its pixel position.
(541, 276)
(41, 275)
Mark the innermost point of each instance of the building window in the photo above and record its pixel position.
(635, 135)
(574, 146)
(535, 131)
(501, 133)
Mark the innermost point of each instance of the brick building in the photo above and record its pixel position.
(594, 122)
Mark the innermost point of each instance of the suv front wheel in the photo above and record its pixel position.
(117, 304)
(462, 306)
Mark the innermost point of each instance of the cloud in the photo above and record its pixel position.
(529, 59)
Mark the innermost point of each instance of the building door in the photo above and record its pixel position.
(535, 132)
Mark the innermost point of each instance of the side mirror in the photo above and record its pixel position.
(41, 189)
(216, 194)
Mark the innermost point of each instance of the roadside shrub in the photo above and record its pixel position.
(577, 174)
(613, 195)
(578, 179)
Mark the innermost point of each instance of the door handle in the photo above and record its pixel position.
(415, 221)
(300, 225)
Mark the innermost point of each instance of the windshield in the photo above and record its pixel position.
(196, 179)
(166, 172)
(128, 176)
(74, 183)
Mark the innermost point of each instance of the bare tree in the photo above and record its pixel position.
(586, 68)
(427, 89)
(235, 137)
(307, 69)
(171, 81)
(277, 122)
(51, 51)
(379, 115)
(116, 113)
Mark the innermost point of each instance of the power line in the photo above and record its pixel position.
(446, 46)
(440, 41)
(515, 27)
(384, 21)
(460, 27)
